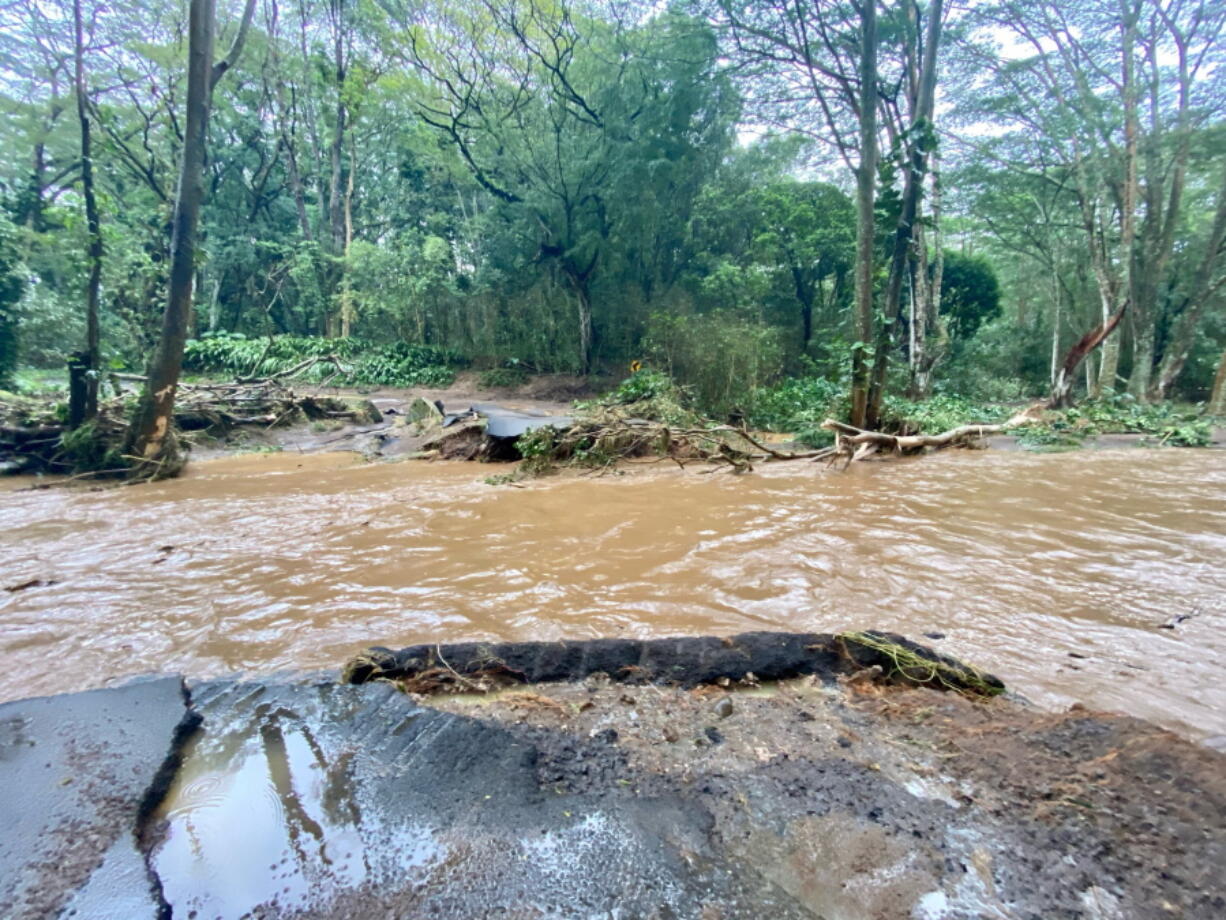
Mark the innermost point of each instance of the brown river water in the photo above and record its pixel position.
(1053, 570)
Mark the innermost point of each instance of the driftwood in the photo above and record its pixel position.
(851, 443)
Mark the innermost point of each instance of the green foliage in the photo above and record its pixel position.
(720, 357)
(999, 364)
(90, 448)
(646, 394)
(12, 286)
(1165, 423)
(396, 365)
(615, 182)
(970, 294)
(30, 382)
(799, 405)
(1055, 434)
(499, 377)
(638, 387)
(935, 415)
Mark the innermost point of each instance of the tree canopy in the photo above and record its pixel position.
(849, 190)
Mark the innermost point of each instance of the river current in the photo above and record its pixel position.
(1055, 571)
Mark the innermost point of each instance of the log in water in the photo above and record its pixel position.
(1055, 571)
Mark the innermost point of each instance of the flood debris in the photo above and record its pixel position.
(745, 659)
(852, 444)
(897, 658)
(1178, 618)
(30, 583)
(36, 438)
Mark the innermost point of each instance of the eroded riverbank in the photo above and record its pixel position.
(1055, 572)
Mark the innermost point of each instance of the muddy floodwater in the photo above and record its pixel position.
(1056, 571)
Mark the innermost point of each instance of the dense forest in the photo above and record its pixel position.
(999, 200)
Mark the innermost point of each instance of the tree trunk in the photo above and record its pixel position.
(348, 312)
(928, 353)
(915, 313)
(1109, 367)
(1217, 397)
(286, 129)
(806, 294)
(1055, 332)
(151, 444)
(336, 291)
(1198, 297)
(866, 187)
(35, 219)
(215, 305)
(1142, 313)
(1142, 353)
(913, 185)
(83, 404)
(585, 328)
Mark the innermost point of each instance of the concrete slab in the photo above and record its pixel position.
(74, 770)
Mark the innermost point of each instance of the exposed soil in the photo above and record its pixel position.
(873, 802)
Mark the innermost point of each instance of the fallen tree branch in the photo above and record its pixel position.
(858, 444)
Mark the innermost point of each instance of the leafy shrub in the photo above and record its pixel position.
(646, 394)
(503, 377)
(799, 405)
(640, 386)
(398, 364)
(1163, 424)
(721, 357)
(1167, 423)
(999, 364)
(937, 414)
(12, 286)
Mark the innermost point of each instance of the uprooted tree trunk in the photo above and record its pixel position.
(852, 443)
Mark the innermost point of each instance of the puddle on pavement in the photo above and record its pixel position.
(267, 817)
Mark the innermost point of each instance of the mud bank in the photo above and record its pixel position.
(830, 795)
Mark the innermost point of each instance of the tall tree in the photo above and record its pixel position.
(559, 117)
(84, 403)
(813, 68)
(151, 441)
(1106, 98)
(914, 137)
